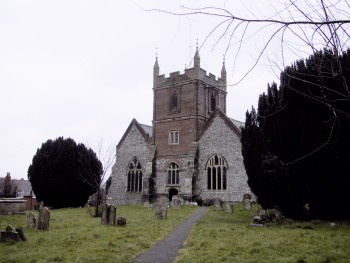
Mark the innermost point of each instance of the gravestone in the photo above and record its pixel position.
(217, 204)
(228, 206)
(247, 201)
(43, 219)
(247, 204)
(31, 221)
(162, 207)
(247, 196)
(108, 215)
(41, 205)
(12, 234)
(175, 202)
(121, 221)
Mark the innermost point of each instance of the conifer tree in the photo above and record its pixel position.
(64, 174)
(303, 133)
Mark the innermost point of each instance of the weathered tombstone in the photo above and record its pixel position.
(162, 207)
(41, 205)
(228, 206)
(247, 204)
(21, 234)
(247, 196)
(217, 204)
(108, 215)
(121, 221)
(31, 221)
(44, 219)
(175, 202)
(12, 234)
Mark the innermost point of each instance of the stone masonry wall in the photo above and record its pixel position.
(134, 145)
(221, 140)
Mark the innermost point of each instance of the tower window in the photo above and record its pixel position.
(134, 177)
(216, 173)
(173, 137)
(212, 103)
(173, 102)
(173, 173)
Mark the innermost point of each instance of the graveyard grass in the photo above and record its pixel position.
(222, 237)
(75, 236)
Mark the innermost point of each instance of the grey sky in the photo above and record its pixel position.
(83, 69)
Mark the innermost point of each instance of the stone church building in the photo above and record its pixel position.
(193, 149)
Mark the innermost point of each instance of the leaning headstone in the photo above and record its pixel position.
(217, 204)
(31, 221)
(228, 206)
(44, 219)
(161, 207)
(12, 234)
(21, 234)
(108, 215)
(175, 202)
(121, 221)
(247, 204)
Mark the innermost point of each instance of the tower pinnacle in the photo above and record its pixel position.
(223, 71)
(196, 58)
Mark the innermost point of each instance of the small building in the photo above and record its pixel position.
(192, 149)
(21, 189)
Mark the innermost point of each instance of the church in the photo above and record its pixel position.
(192, 149)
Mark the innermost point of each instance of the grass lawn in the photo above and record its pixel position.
(222, 237)
(75, 236)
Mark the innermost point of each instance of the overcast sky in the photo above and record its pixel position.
(83, 69)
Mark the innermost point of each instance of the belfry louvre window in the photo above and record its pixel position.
(216, 173)
(174, 137)
(134, 183)
(173, 173)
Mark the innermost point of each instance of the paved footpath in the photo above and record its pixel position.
(165, 250)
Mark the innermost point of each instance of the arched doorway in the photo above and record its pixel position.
(172, 192)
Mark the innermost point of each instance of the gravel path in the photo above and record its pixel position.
(166, 250)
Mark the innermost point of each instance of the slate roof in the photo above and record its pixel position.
(25, 185)
(147, 129)
(237, 123)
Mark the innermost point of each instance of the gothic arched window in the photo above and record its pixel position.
(173, 173)
(134, 183)
(173, 102)
(216, 173)
(212, 103)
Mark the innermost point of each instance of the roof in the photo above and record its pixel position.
(237, 123)
(25, 185)
(148, 129)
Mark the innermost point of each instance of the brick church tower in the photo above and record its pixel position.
(182, 105)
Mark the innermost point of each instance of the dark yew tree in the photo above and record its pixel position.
(297, 148)
(64, 174)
